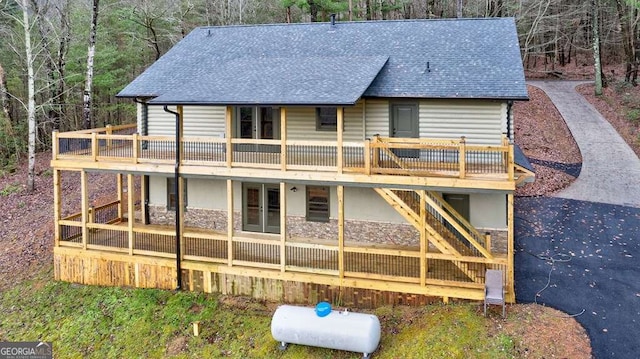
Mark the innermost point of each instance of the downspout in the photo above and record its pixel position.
(144, 131)
(509, 114)
(176, 189)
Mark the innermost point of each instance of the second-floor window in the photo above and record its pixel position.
(326, 118)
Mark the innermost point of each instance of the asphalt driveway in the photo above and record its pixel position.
(579, 252)
(589, 254)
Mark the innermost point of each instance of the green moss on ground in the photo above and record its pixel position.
(98, 322)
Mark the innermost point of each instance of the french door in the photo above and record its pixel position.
(261, 207)
(258, 123)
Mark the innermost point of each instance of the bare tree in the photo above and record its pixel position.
(31, 102)
(4, 98)
(87, 96)
(596, 48)
(629, 30)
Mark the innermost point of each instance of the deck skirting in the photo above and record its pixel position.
(114, 269)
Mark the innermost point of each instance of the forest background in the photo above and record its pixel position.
(63, 61)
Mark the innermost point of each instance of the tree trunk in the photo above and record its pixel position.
(4, 98)
(628, 36)
(313, 10)
(86, 103)
(63, 49)
(31, 106)
(596, 48)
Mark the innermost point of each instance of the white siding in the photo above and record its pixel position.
(160, 123)
(157, 191)
(488, 211)
(377, 121)
(301, 124)
(481, 122)
(198, 121)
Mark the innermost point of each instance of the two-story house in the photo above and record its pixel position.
(358, 162)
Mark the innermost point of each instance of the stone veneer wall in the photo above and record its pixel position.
(194, 217)
(356, 231)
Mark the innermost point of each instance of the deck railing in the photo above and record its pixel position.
(296, 255)
(387, 156)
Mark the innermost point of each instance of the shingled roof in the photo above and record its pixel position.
(324, 64)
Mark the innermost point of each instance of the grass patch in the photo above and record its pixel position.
(98, 322)
(10, 189)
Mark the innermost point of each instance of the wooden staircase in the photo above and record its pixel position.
(446, 229)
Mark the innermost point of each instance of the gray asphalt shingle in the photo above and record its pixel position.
(324, 64)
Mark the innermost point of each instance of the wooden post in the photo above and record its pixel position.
(131, 217)
(463, 157)
(54, 145)
(120, 196)
(135, 147)
(109, 132)
(340, 190)
(283, 138)
(181, 203)
(229, 222)
(367, 157)
(143, 200)
(228, 134)
(56, 204)
(92, 215)
(340, 130)
(84, 198)
(283, 225)
(94, 146)
(511, 164)
(487, 241)
(423, 238)
(376, 151)
(510, 233)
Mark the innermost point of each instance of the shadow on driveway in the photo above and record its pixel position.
(587, 256)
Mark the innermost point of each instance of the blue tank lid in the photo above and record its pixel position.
(323, 309)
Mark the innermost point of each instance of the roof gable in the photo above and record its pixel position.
(331, 64)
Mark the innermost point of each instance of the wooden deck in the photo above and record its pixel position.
(387, 159)
(364, 265)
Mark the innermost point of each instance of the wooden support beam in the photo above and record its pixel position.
(55, 149)
(510, 243)
(57, 209)
(131, 216)
(94, 146)
(511, 164)
(367, 157)
(109, 131)
(135, 144)
(283, 138)
(340, 133)
(462, 158)
(283, 225)
(229, 222)
(487, 241)
(423, 238)
(340, 190)
(84, 198)
(229, 134)
(120, 194)
(143, 199)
